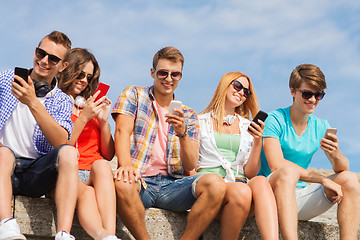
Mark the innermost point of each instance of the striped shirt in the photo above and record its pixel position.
(138, 103)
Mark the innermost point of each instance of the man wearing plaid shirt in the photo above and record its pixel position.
(34, 126)
(156, 150)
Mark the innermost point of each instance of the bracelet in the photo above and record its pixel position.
(182, 135)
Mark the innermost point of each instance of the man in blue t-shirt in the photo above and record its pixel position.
(291, 136)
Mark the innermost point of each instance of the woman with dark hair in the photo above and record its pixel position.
(96, 206)
(230, 146)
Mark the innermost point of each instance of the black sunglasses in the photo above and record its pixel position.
(83, 75)
(163, 74)
(238, 87)
(40, 54)
(308, 94)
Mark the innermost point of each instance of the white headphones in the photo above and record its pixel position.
(229, 119)
(79, 101)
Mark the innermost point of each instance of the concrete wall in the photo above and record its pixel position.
(36, 219)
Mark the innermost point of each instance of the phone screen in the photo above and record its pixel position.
(21, 72)
(104, 88)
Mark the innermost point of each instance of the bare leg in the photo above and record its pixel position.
(283, 181)
(265, 208)
(66, 188)
(101, 177)
(348, 210)
(211, 190)
(6, 166)
(88, 212)
(235, 210)
(130, 208)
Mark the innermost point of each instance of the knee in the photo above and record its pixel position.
(6, 156)
(259, 184)
(349, 182)
(212, 184)
(101, 167)
(68, 157)
(125, 190)
(285, 177)
(239, 194)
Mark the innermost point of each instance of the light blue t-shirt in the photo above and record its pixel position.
(297, 149)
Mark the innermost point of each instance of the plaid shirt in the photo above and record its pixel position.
(59, 106)
(138, 103)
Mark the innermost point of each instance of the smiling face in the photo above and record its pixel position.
(79, 84)
(165, 88)
(236, 98)
(43, 69)
(306, 106)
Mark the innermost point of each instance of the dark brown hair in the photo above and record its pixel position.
(78, 58)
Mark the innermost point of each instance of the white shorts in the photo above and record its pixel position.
(312, 201)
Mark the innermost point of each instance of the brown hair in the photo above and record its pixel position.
(310, 74)
(78, 58)
(217, 103)
(169, 53)
(59, 38)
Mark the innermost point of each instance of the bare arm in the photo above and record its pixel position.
(107, 142)
(331, 146)
(189, 150)
(53, 132)
(253, 165)
(123, 131)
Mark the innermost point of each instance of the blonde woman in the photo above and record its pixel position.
(229, 149)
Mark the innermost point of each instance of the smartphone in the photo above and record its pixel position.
(260, 115)
(104, 88)
(174, 104)
(21, 72)
(330, 130)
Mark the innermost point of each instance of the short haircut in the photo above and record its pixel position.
(59, 38)
(78, 58)
(169, 53)
(310, 74)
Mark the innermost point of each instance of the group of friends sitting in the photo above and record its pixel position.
(55, 140)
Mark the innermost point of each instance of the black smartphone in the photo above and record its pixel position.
(260, 115)
(21, 72)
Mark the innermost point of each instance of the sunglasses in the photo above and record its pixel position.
(238, 87)
(162, 75)
(83, 75)
(308, 94)
(40, 54)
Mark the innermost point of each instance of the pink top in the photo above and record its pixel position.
(157, 162)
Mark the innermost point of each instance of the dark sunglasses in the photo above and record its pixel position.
(238, 87)
(83, 75)
(162, 75)
(308, 94)
(40, 54)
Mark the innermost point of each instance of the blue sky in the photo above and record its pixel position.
(264, 39)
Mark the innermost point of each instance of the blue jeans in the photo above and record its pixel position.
(169, 193)
(35, 177)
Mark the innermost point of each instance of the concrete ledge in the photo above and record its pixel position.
(36, 219)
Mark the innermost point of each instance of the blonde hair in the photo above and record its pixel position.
(217, 103)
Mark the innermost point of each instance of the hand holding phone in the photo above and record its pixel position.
(260, 115)
(330, 130)
(21, 72)
(104, 88)
(174, 104)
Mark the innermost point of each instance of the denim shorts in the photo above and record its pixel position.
(84, 175)
(35, 177)
(169, 193)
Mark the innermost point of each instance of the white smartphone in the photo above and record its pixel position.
(174, 104)
(330, 130)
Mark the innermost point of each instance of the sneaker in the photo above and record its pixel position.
(113, 237)
(64, 236)
(10, 230)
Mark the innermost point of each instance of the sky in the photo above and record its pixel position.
(264, 39)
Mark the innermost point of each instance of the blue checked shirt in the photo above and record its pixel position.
(59, 106)
(138, 103)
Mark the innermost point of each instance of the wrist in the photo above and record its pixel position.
(182, 135)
